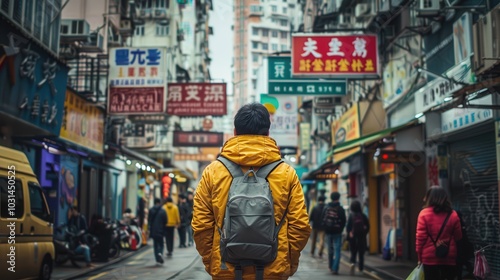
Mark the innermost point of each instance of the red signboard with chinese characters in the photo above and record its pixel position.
(147, 100)
(198, 139)
(196, 99)
(353, 56)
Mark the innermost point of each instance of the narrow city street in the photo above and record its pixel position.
(185, 264)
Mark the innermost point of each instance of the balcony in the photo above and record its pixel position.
(160, 13)
(74, 30)
(256, 10)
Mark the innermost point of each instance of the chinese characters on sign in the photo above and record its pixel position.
(198, 139)
(280, 81)
(196, 99)
(334, 55)
(137, 81)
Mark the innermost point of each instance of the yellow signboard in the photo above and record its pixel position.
(83, 123)
(347, 127)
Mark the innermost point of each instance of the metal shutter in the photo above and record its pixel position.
(474, 191)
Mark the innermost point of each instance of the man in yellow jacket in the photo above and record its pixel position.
(173, 222)
(251, 147)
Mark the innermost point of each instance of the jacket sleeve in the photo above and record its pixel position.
(421, 235)
(298, 222)
(203, 222)
(457, 230)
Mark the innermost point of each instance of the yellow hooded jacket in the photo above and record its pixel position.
(173, 216)
(210, 202)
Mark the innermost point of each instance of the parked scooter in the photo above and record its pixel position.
(130, 236)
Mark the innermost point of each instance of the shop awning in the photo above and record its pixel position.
(325, 172)
(138, 156)
(343, 151)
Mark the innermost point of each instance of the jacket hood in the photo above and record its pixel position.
(169, 205)
(251, 150)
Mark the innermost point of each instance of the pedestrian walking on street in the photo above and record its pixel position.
(173, 222)
(157, 219)
(334, 220)
(184, 213)
(189, 201)
(249, 151)
(318, 229)
(438, 230)
(357, 228)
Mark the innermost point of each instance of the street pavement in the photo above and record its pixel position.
(185, 264)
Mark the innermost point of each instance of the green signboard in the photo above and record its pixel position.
(280, 81)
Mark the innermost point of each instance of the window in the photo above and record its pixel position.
(5, 5)
(284, 47)
(255, 58)
(283, 22)
(254, 71)
(274, 47)
(11, 190)
(265, 32)
(162, 3)
(38, 205)
(162, 29)
(255, 45)
(255, 9)
(139, 30)
(254, 84)
(28, 14)
(37, 32)
(274, 8)
(18, 11)
(284, 10)
(46, 24)
(274, 34)
(284, 35)
(255, 31)
(265, 46)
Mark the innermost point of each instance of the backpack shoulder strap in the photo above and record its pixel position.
(264, 171)
(232, 167)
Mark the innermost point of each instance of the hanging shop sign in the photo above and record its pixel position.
(198, 139)
(137, 81)
(196, 99)
(329, 55)
(284, 118)
(33, 84)
(435, 92)
(347, 127)
(280, 81)
(82, 123)
(459, 118)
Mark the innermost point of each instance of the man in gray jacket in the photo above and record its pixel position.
(157, 219)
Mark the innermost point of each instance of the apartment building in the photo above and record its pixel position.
(261, 28)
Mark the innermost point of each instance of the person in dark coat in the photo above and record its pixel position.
(357, 228)
(157, 219)
(318, 230)
(185, 222)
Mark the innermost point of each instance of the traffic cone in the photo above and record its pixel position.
(133, 242)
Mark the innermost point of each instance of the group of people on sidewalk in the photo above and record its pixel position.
(329, 221)
(164, 218)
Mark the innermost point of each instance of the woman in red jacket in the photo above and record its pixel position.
(433, 232)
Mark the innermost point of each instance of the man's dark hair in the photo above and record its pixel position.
(169, 199)
(335, 196)
(252, 119)
(322, 198)
(356, 206)
(157, 200)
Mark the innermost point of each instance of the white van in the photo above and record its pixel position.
(26, 247)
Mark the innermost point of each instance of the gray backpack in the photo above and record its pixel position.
(249, 232)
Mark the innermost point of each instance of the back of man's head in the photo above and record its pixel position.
(157, 201)
(253, 119)
(322, 198)
(335, 196)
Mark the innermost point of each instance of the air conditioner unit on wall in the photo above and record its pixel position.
(429, 8)
(486, 38)
(361, 9)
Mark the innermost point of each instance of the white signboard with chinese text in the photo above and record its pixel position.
(137, 81)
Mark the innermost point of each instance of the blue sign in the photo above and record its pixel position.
(32, 84)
